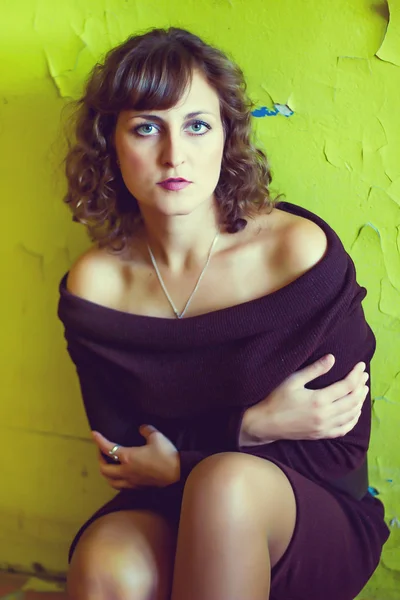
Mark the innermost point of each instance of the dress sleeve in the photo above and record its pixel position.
(108, 412)
(105, 409)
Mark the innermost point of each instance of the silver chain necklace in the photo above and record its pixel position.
(160, 279)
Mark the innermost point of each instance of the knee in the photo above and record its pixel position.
(229, 475)
(96, 574)
(236, 479)
(103, 568)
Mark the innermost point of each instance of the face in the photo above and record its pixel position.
(183, 142)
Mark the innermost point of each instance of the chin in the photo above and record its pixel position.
(176, 207)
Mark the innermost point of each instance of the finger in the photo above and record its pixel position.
(348, 411)
(345, 407)
(101, 458)
(113, 471)
(118, 484)
(110, 479)
(147, 430)
(345, 386)
(105, 445)
(351, 409)
(102, 442)
(343, 430)
(316, 369)
(105, 458)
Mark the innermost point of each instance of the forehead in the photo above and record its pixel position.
(198, 96)
(199, 92)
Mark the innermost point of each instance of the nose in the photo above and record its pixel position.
(172, 152)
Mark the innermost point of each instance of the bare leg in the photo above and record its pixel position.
(237, 520)
(126, 555)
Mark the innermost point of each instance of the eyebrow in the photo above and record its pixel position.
(153, 117)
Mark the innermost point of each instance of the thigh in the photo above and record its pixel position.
(246, 493)
(124, 553)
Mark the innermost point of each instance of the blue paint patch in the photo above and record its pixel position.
(279, 109)
(389, 480)
(373, 491)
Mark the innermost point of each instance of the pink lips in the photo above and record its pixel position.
(174, 185)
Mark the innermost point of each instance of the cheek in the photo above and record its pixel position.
(130, 155)
(134, 172)
(133, 159)
(215, 161)
(213, 156)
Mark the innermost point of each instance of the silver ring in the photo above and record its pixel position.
(113, 452)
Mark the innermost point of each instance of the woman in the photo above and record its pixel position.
(195, 323)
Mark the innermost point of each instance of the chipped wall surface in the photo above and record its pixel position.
(325, 78)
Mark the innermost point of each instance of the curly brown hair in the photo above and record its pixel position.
(152, 71)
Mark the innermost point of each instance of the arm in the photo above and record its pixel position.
(330, 459)
(293, 411)
(337, 326)
(109, 414)
(195, 441)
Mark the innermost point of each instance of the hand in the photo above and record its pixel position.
(155, 464)
(293, 412)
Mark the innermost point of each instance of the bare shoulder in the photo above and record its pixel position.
(301, 243)
(95, 276)
(292, 243)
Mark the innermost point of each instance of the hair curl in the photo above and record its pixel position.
(151, 71)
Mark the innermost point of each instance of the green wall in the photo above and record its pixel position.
(336, 64)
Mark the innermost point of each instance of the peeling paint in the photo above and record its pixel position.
(390, 48)
(395, 522)
(279, 109)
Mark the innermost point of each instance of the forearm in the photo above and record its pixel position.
(320, 460)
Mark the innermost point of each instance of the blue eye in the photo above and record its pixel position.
(198, 125)
(145, 130)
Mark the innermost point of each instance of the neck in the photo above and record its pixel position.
(181, 242)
